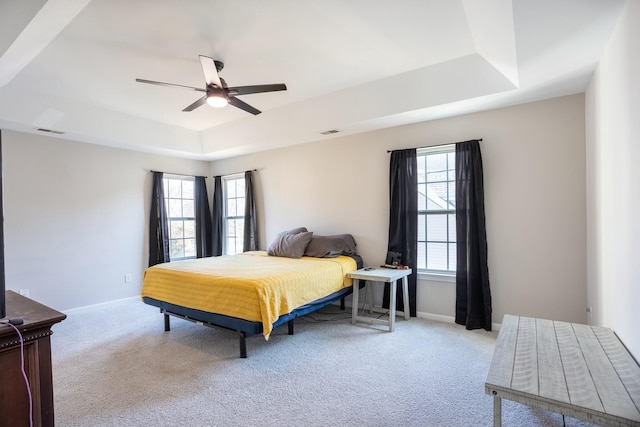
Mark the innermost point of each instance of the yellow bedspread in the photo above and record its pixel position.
(251, 286)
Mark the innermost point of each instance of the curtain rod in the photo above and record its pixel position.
(440, 145)
(184, 174)
(237, 173)
(180, 174)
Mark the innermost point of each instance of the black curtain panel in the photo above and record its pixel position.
(250, 241)
(158, 227)
(204, 232)
(218, 217)
(403, 220)
(473, 296)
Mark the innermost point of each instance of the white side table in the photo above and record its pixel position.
(384, 275)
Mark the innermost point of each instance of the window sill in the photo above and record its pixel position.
(437, 277)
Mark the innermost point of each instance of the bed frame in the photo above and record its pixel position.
(244, 328)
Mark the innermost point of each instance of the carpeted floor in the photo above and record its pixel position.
(114, 365)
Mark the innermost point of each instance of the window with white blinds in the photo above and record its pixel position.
(180, 208)
(234, 203)
(437, 210)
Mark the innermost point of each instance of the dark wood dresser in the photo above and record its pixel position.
(36, 330)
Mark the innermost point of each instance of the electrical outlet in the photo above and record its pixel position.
(24, 292)
(589, 313)
(127, 278)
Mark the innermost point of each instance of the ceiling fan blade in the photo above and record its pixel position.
(243, 106)
(210, 71)
(196, 104)
(152, 82)
(246, 90)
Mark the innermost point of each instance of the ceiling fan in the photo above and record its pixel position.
(217, 93)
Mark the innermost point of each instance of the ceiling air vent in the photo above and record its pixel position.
(329, 132)
(57, 132)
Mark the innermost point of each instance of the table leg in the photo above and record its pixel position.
(354, 302)
(405, 297)
(392, 305)
(497, 411)
(368, 295)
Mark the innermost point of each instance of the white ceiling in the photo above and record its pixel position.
(359, 65)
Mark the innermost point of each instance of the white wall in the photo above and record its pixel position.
(76, 214)
(534, 163)
(76, 217)
(613, 178)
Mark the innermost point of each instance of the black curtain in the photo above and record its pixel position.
(403, 220)
(204, 234)
(218, 217)
(473, 296)
(250, 240)
(158, 227)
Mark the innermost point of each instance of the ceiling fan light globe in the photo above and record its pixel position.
(217, 101)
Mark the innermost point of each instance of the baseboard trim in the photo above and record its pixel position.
(436, 317)
(446, 319)
(100, 304)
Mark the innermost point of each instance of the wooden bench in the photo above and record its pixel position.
(581, 371)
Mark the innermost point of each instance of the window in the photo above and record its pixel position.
(234, 201)
(179, 203)
(437, 210)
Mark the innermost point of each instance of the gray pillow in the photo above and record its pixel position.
(290, 245)
(296, 230)
(280, 235)
(350, 241)
(331, 246)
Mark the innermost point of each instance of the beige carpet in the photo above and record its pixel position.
(114, 365)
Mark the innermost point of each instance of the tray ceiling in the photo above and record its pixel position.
(356, 66)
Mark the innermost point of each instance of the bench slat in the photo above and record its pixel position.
(582, 390)
(552, 381)
(625, 367)
(613, 395)
(525, 368)
(501, 368)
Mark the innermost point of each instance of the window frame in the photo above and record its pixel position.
(238, 238)
(174, 219)
(433, 274)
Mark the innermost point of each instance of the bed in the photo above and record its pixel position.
(254, 292)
